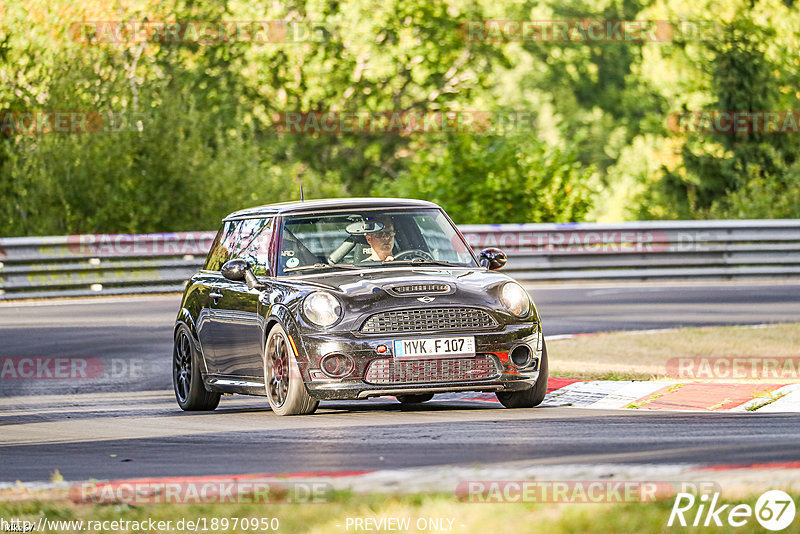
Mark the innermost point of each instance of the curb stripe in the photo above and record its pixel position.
(706, 396)
(675, 396)
(554, 383)
(630, 393)
(584, 394)
(789, 403)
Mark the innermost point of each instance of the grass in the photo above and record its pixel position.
(331, 517)
(638, 356)
(765, 399)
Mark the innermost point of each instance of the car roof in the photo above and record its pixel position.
(327, 204)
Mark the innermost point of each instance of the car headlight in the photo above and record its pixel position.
(321, 308)
(515, 299)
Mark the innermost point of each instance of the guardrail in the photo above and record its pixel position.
(90, 264)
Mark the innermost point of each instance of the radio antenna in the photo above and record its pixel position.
(301, 193)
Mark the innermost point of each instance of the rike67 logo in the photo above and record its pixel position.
(774, 510)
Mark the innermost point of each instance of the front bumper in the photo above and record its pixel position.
(363, 351)
(362, 390)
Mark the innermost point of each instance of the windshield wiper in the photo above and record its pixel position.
(321, 266)
(422, 261)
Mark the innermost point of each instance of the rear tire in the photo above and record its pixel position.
(187, 381)
(415, 399)
(529, 397)
(285, 388)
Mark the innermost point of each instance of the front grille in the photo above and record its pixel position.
(428, 319)
(391, 371)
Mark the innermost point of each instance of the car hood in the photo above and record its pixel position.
(369, 291)
(367, 282)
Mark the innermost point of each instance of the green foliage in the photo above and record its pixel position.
(492, 178)
(747, 174)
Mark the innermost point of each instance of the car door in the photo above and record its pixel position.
(221, 251)
(238, 327)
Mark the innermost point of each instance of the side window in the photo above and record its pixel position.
(223, 248)
(253, 243)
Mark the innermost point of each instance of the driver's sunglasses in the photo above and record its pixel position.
(384, 234)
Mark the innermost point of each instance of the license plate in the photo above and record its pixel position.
(434, 347)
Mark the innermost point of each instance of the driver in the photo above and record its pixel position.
(382, 243)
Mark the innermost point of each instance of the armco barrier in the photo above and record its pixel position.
(38, 267)
(645, 250)
(91, 264)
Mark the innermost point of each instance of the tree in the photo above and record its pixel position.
(493, 178)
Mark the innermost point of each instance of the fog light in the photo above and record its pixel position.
(521, 355)
(317, 375)
(336, 365)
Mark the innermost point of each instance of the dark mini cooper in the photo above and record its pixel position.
(350, 299)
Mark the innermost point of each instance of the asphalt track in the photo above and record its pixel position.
(127, 424)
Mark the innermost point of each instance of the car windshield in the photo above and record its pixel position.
(370, 238)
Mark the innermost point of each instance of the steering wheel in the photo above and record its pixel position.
(412, 254)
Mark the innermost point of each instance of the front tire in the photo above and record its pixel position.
(530, 397)
(187, 381)
(285, 388)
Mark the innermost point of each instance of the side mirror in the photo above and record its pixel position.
(234, 270)
(239, 270)
(492, 258)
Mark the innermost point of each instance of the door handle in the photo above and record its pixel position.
(215, 296)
